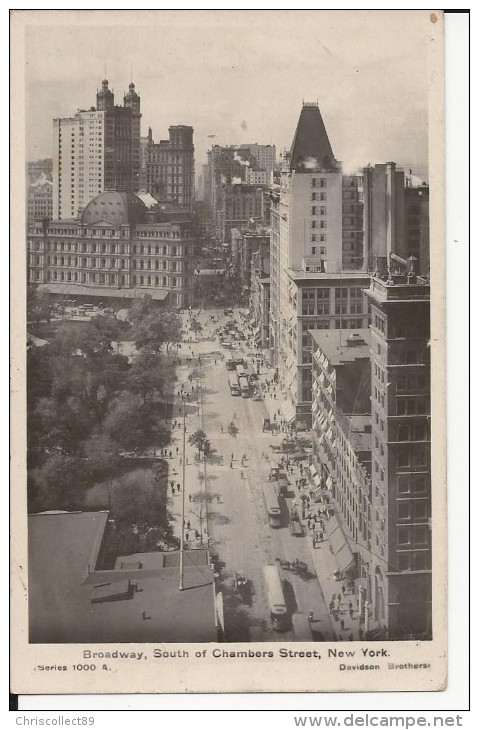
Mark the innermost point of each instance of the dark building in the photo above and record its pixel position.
(169, 166)
(400, 567)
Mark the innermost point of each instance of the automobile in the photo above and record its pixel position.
(228, 311)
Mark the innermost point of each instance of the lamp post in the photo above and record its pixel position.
(182, 543)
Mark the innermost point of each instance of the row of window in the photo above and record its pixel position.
(113, 248)
(102, 278)
(111, 263)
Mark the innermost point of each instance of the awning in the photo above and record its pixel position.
(329, 483)
(312, 470)
(341, 549)
(288, 411)
(316, 494)
(317, 480)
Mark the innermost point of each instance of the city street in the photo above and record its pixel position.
(239, 532)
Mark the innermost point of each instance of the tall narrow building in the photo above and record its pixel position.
(399, 572)
(312, 284)
(96, 150)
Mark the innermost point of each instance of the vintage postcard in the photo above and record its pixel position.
(228, 353)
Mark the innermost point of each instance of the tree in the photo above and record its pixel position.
(171, 327)
(104, 331)
(128, 423)
(149, 373)
(200, 441)
(142, 307)
(59, 484)
(150, 333)
(38, 306)
(195, 327)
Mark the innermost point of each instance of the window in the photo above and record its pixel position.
(403, 535)
(404, 510)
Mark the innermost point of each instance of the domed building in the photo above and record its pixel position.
(116, 249)
(112, 206)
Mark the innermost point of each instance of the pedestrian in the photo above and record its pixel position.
(232, 457)
(197, 535)
(178, 487)
(177, 450)
(342, 624)
(189, 498)
(188, 525)
(187, 536)
(310, 616)
(172, 484)
(231, 464)
(173, 490)
(343, 589)
(218, 499)
(241, 474)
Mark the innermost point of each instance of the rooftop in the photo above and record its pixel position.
(103, 291)
(399, 288)
(324, 276)
(342, 346)
(138, 601)
(311, 149)
(357, 430)
(119, 208)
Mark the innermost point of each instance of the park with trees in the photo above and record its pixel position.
(97, 417)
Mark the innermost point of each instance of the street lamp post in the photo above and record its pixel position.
(182, 543)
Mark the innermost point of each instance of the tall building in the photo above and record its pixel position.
(39, 169)
(169, 166)
(39, 200)
(400, 567)
(416, 227)
(239, 205)
(313, 284)
(252, 164)
(383, 197)
(117, 249)
(96, 150)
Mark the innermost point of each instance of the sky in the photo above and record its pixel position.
(242, 76)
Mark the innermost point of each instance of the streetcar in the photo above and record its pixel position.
(233, 384)
(276, 600)
(272, 505)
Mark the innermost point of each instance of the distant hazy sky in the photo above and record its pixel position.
(242, 76)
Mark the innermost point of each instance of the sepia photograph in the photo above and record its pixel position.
(231, 232)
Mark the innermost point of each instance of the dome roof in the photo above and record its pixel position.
(104, 91)
(131, 93)
(119, 208)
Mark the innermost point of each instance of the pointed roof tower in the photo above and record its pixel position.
(311, 150)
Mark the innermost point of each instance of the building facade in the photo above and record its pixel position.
(400, 570)
(39, 169)
(239, 205)
(116, 249)
(96, 150)
(39, 200)
(169, 166)
(416, 227)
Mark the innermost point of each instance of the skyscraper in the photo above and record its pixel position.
(169, 166)
(96, 150)
(400, 567)
(312, 284)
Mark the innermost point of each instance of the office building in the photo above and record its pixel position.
(95, 150)
(39, 200)
(400, 568)
(168, 166)
(312, 284)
